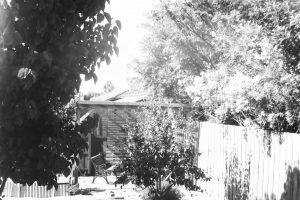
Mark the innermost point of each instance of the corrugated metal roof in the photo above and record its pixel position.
(135, 95)
(131, 99)
(108, 97)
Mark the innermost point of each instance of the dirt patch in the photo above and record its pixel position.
(101, 190)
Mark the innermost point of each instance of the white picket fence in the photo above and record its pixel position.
(18, 190)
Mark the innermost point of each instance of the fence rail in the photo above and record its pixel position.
(246, 163)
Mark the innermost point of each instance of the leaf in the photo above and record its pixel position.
(23, 73)
(102, 58)
(49, 186)
(107, 59)
(100, 17)
(67, 172)
(95, 78)
(116, 31)
(77, 161)
(113, 39)
(119, 24)
(109, 49)
(87, 77)
(107, 16)
(116, 49)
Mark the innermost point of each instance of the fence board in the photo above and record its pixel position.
(244, 161)
(34, 191)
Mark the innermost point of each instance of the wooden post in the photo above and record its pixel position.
(3, 185)
(75, 175)
(89, 153)
(197, 144)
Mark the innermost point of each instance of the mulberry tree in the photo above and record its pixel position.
(45, 45)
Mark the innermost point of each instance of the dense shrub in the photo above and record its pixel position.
(160, 148)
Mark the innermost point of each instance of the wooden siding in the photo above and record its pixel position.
(113, 116)
(259, 164)
(110, 129)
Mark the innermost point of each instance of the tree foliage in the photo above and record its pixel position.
(155, 140)
(175, 50)
(44, 47)
(249, 57)
(256, 81)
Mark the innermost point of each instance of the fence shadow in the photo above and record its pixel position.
(291, 186)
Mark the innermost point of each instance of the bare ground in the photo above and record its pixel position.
(100, 190)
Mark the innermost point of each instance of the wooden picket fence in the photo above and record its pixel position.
(246, 163)
(34, 191)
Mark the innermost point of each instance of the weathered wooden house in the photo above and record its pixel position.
(109, 136)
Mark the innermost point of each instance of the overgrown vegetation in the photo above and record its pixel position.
(236, 60)
(160, 148)
(237, 181)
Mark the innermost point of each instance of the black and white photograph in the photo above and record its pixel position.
(150, 99)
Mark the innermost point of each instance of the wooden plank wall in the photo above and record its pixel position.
(113, 116)
(110, 130)
(246, 163)
(117, 117)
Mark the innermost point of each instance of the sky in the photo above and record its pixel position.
(131, 13)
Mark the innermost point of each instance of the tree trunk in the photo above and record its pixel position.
(159, 183)
(2, 186)
(157, 192)
(75, 174)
